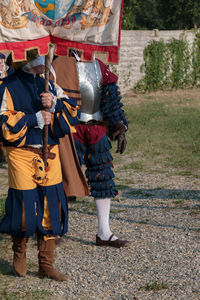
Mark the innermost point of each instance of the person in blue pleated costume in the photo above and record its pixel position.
(36, 201)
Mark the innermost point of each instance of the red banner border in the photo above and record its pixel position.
(18, 49)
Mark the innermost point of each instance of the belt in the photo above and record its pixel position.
(39, 151)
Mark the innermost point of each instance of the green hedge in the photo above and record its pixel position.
(170, 65)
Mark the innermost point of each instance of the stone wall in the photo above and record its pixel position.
(133, 43)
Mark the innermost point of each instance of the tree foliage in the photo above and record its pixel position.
(161, 14)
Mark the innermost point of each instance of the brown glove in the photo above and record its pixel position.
(119, 135)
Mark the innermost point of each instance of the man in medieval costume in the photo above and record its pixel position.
(36, 201)
(101, 120)
(5, 70)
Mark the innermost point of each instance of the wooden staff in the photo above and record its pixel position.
(46, 127)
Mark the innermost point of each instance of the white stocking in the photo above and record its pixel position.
(103, 215)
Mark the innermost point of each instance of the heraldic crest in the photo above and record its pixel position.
(16, 14)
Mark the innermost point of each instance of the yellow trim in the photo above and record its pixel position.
(52, 121)
(13, 117)
(72, 129)
(9, 101)
(49, 237)
(72, 110)
(12, 137)
(22, 142)
(46, 221)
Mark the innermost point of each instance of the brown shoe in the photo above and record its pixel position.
(116, 243)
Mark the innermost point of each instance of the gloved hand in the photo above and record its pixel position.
(119, 135)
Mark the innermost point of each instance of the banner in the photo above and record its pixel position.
(88, 25)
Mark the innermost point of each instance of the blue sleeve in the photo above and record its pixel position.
(111, 106)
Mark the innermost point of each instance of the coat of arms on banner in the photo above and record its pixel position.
(54, 9)
(90, 13)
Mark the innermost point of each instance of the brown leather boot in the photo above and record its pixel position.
(46, 257)
(19, 257)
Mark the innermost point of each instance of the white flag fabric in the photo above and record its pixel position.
(91, 26)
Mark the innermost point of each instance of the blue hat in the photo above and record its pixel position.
(2, 56)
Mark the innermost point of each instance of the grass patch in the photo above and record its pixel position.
(195, 212)
(119, 199)
(143, 221)
(188, 173)
(121, 187)
(179, 202)
(2, 205)
(5, 243)
(140, 193)
(85, 206)
(89, 207)
(116, 211)
(31, 295)
(164, 132)
(137, 166)
(155, 286)
(128, 181)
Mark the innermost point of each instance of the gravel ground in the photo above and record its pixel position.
(159, 214)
